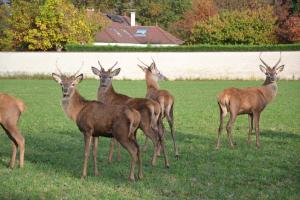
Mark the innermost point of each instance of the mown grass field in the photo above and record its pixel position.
(54, 148)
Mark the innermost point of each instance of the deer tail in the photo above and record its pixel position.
(21, 105)
(155, 113)
(223, 100)
(134, 120)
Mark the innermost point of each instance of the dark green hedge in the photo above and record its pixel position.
(192, 48)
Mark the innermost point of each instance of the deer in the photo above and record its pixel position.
(11, 109)
(250, 100)
(163, 97)
(148, 109)
(94, 119)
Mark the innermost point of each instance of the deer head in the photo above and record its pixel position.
(156, 74)
(106, 76)
(271, 72)
(67, 83)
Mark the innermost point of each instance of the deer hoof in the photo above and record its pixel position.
(141, 176)
(131, 179)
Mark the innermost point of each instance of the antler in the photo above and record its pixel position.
(142, 62)
(113, 66)
(102, 69)
(153, 61)
(278, 61)
(82, 63)
(56, 65)
(262, 60)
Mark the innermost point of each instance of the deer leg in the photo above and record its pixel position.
(256, 122)
(161, 129)
(223, 113)
(140, 172)
(119, 151)
(19, 141)
(145, 126)
(130, 146)
(250, 123)
(229, 127)
(95, 151)
(13, 156)
(111, 150)
(162, 142)
(14, 149)
(87, 141)
(170, 118)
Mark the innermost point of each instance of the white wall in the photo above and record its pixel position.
(191, 65)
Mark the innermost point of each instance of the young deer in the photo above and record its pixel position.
(95, 119)
(148, 109)
(163, 97)
(250, 100)
(10, 112)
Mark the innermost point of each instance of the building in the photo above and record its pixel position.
(124, 31)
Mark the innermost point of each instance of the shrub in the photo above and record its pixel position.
(201, 11)
(190, 48)
(237, 27)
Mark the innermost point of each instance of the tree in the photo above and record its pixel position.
(163, 13)
(57, 24)
(16, 21)
(46, 25)
(288, 13)
(237, 27)
(200, 11)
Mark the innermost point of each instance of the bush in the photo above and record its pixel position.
(290, 30)
(237, 27)
(45, 25)
(190, 48)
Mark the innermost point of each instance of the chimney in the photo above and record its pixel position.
(132, 18)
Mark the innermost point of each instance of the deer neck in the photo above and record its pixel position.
(72, 105)
(106, 94)
(151, 83)
(269, 89)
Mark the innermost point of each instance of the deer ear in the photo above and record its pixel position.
(78, 79)
(263, 69)
(115, 72)
(56, 77)
(280, 68)
(152, 66)
(96, 71)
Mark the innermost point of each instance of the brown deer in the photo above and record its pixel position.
(250, 100)
(10, 112)
(163, 97)
(95, 119)
(149, 109)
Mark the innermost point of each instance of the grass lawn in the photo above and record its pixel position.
(54, 148)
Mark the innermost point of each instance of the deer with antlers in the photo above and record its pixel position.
(149, 110)
(163, 97)
(250, 101)
(95, 119)
(10, 112)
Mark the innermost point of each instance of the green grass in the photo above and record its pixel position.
(183, 48)
(54, 148)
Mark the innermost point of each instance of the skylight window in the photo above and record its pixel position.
(141, 32)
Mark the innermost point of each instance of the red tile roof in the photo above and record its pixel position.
(122, 32)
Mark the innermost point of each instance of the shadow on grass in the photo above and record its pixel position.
(279, 134)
